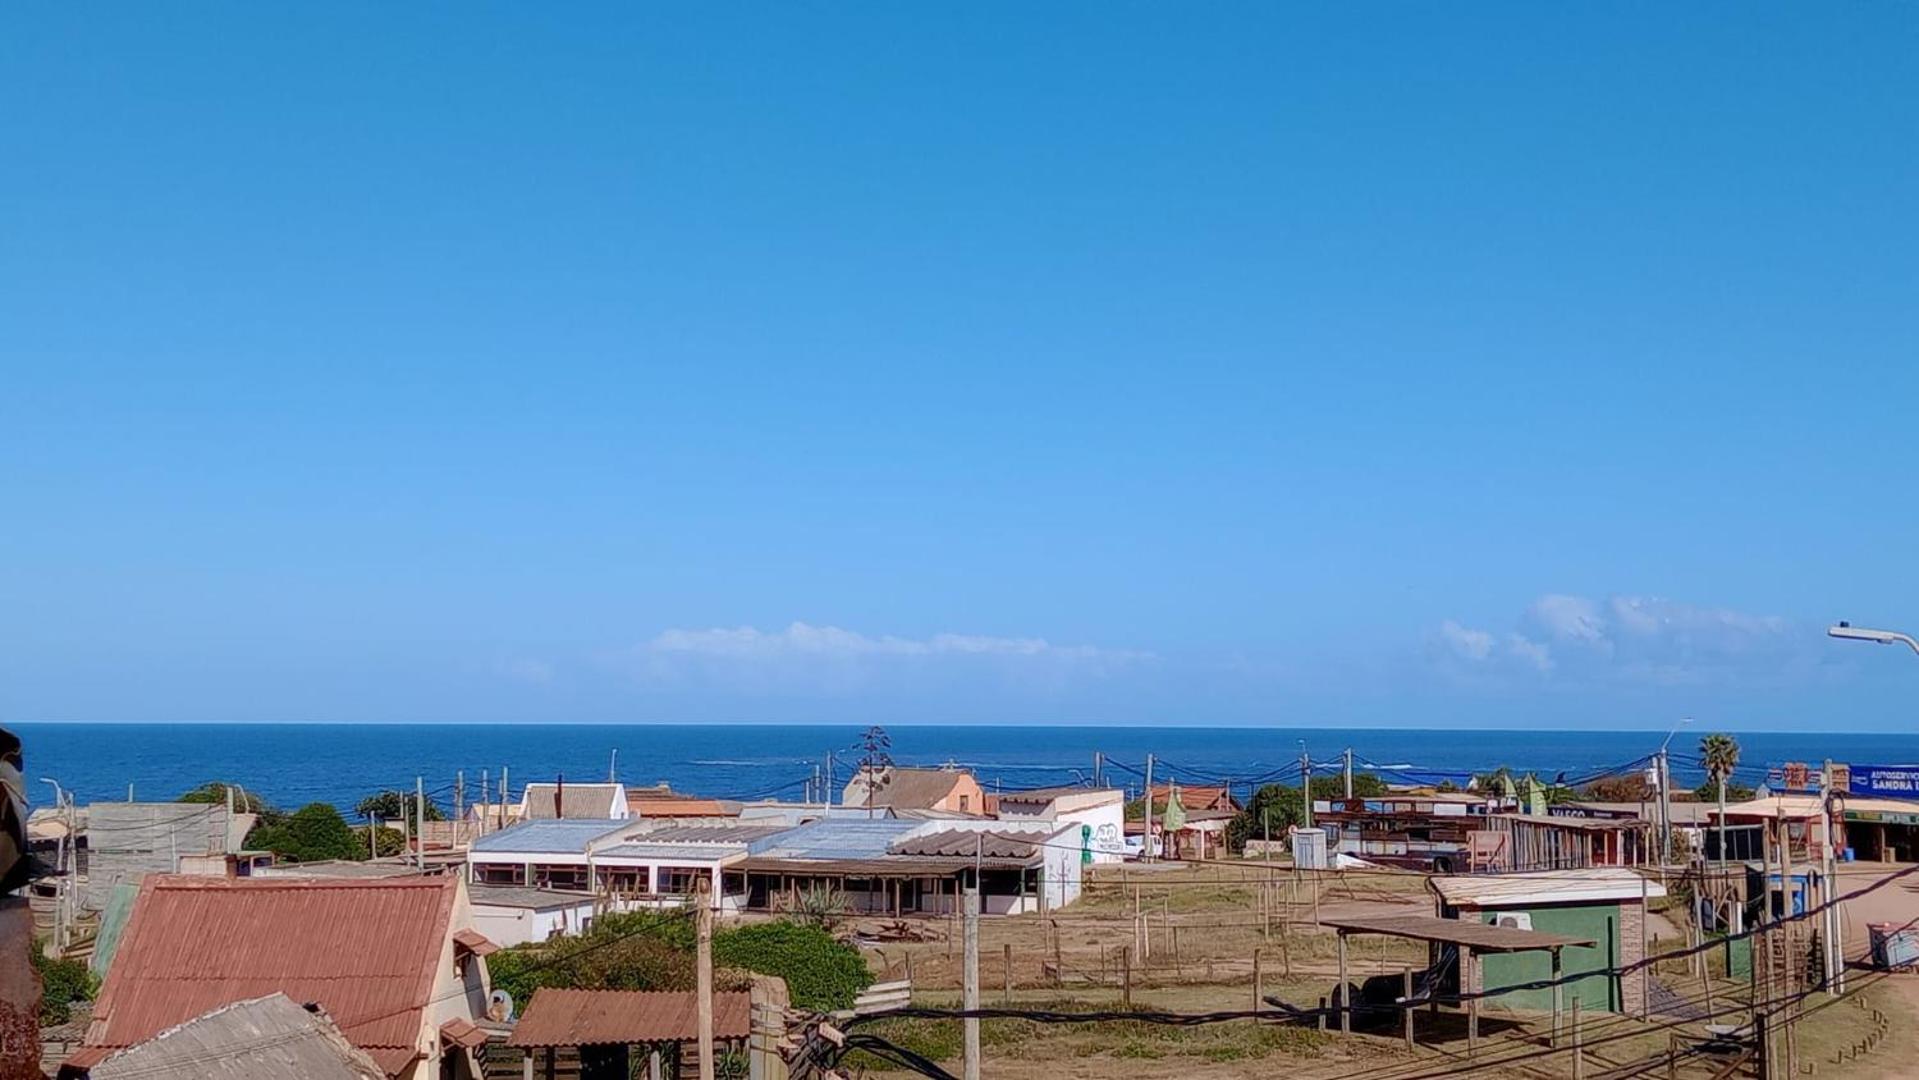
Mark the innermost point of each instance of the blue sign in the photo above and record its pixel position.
(1886, 781)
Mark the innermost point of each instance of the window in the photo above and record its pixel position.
(499, 874)
(963, 801)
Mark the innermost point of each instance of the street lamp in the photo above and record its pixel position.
(1665, 799)
(1879, 637)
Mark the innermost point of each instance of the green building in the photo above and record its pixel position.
(1605, 905)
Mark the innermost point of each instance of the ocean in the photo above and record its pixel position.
(294, 764)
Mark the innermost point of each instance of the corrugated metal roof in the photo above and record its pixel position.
(268, 1038)
(681, 852)
(576, 801)
(557, 1017)
(1598, 883)
(366, 951)
(727, 831)
(957, 842)
(565, 837)
(835, 838)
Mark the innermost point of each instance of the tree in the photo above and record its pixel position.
(1276, 807)
(215, 791)
(875, 761)
(312, 833)
(1628, 787)
(394, 806)
(1719, 753)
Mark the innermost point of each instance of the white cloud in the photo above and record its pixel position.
(807, 658)
(1465, 642)
(1633, 639)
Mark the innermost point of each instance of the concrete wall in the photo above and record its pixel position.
(127, 841)
(523, 926)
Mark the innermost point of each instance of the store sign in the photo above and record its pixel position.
(1886, 781)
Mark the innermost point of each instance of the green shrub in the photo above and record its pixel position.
(62, 982)
(312, 833)
(821, 972)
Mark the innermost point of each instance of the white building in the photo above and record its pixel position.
(1099, 812)
(512, 915)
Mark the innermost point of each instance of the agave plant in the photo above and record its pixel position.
(823, 906)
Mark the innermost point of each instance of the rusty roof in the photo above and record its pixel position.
(558, 1017)
(365, 950)
(955, 842)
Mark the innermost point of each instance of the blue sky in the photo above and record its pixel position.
(1505, 365)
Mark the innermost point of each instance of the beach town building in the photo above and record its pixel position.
(1510, 843)
(898, 787)
(900, 866)
(1100, 814)
(1604, 908)
(1195, 797)
(642, 863)
(583, 802)
(265, 1038)
(514, 915)
(126, 841)
(1422, 830)
(395, 962)
(661, 801)
(619, 1034)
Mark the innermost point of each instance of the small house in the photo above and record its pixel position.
(951, 789)
(573, 802)
(1603, 905)
(1100, 814)
(395, 962)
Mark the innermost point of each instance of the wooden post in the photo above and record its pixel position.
(1559, 999)
(1468, 964)
(970, 986)
(1009, 974)
(704, 975)
(1126, 977)
(526, 1066)
(1259, 996)
(1579, 1053)
(1406, 1013)
(1345, 997)
(1643, 975)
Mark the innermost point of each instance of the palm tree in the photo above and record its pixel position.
(1720, 754)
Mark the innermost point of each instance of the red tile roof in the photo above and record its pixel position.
(557, 1017)
(1195, 797)
(365, 950)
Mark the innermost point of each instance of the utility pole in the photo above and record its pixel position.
(1146, 842)
(1349, 774)
(459, 797)
(828, 789)
(1305, 786)
(373, 836)
(1835, 956)
(970, 986)
(503, 796)
(1099, 768)
(704, 976)
(486, 802)
(419, 821)
(1665, 810)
